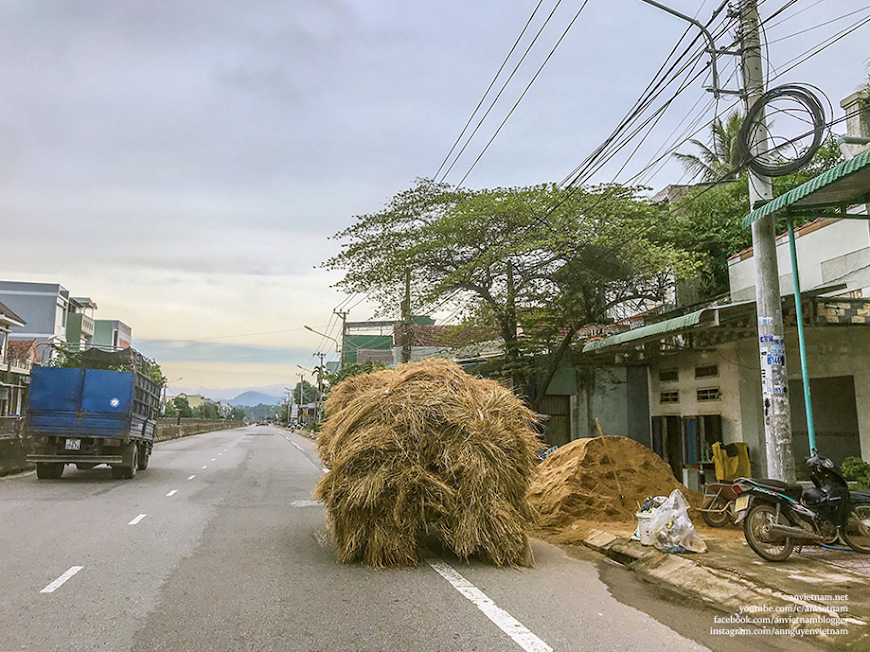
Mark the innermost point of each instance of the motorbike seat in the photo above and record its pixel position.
(779, 485)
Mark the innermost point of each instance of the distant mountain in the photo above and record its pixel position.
(252, 399)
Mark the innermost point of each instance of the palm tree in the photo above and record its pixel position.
(721, 161)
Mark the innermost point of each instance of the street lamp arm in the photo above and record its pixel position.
(324, 335)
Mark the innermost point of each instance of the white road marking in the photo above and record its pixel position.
(205, 467)
(136, 520)
(172, 493)
(297, 446)
(214, 459)
(51, 588)
(305, 503)
(507, 623)
(192, 477)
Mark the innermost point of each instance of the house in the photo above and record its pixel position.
(14, 372)
(44, 307)
(80, 322)
(112, 334)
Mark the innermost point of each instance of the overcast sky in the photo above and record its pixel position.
(184, 163)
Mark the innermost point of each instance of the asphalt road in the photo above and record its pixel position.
(218, 546)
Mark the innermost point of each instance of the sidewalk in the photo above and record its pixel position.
(818, 594)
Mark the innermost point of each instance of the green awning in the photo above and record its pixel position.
(654, 331)
(838, 188)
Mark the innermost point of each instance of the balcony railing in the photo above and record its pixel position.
(14, 365)
(87, 326)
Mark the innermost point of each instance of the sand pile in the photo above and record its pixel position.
(427, 448)
(577, 481)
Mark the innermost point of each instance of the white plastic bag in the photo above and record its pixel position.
(671, 528)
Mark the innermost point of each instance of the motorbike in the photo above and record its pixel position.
(777, 516)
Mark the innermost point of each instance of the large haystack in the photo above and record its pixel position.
(577, 481)
(427, 447)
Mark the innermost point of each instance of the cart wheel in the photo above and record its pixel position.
(716, 519)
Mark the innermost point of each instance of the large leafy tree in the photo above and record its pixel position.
(533, 264)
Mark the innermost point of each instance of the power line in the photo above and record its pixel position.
(489, 88)
(523, 94)
(499, 94)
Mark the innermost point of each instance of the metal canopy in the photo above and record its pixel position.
(653, 331)
(838, 188)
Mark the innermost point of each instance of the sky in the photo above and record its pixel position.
(184, 164)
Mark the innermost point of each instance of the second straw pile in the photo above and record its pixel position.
(427, 447)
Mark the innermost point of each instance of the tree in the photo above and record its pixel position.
(169, 410)
(709, 220)
(535, 264)
(238, 413)
(183, 407)
(304, 393)
(720, 161)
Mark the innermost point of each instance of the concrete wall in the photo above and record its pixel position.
(838, 252)
(617, 397)
(169, 429)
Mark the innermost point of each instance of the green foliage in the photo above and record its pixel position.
(74, 357)
(182, 407)
(721, 159)
(169, 410)
(506, 259)
(355, 369)
(207, 410)
(238, 413)
(709, 220)
(304, 393)
(854, 468)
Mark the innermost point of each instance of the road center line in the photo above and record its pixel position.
(172, 493)
(192, 477)
(214, 459)
(51, 588)
(136, 520)
(507, 623)
(205, 467)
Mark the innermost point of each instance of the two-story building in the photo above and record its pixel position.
(44, 307)
(14, 371)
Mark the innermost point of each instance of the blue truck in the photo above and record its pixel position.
(91, 416)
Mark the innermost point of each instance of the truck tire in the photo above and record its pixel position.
(49, 470)
(127, 472)
(144, 456)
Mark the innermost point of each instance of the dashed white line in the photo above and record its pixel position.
(297, 446)
(205, 467)
(192, 477)
(214, 459)
(51, 588)
(136, 520)
(507, 623)
(172, 493)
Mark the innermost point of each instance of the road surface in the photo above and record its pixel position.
(218, 546)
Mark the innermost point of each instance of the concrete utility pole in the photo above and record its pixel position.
(407, 328)
(771, 334)
(343, 316)
(317, 403)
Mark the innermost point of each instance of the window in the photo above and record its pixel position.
(708, 394)
(669, 397)
(669, 375)
(707, 371)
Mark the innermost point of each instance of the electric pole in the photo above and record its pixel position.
(318, 402)
(406, 319)
(342, 314)
(771, 334)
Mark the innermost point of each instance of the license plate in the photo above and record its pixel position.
(741, 504)
(73, 444)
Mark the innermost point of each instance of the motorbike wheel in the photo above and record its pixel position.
(760, 517)
(716, 519)
(857, 530)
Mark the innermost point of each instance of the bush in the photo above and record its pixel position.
(854, 468)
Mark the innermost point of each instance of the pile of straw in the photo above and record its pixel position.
(427, 448)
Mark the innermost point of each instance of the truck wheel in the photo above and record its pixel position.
(127, 472)
(144, 456)
(49, 470)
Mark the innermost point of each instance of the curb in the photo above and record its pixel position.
(725, 590)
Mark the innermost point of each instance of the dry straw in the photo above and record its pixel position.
(427, 448)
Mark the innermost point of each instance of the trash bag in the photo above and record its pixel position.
(671, 528)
